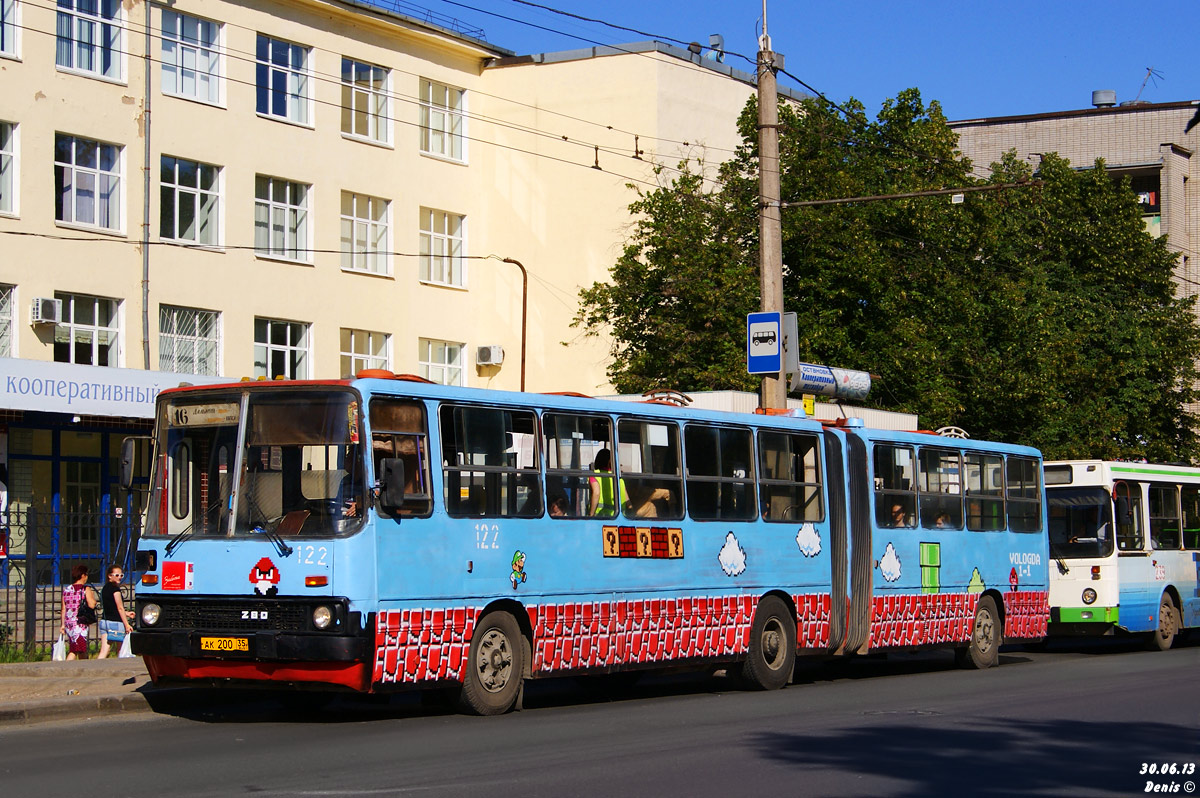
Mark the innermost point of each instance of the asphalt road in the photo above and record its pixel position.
(1072, 721)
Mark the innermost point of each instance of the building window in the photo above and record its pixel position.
(89, 333)
(89, 37)
(189, 201)
(282, 80)
(441, 361)
(189, 341)
(442, 126)
(191, 60)
(280, 218)
(365, 237)
(442, 247)
(8, 28)
(365, 101)
(7, 321)
(281, 349)
(363, 349)
(8, 167)
(87, 175)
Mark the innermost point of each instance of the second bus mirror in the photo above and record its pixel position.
(132, 466)
(391, 483)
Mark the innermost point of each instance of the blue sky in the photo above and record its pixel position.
(976, 58)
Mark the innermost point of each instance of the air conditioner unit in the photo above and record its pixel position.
(45, 311)
(489, 356)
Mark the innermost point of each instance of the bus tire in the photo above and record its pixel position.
(1168, 624)
(772, 656)
(495, 667)
(986, 634)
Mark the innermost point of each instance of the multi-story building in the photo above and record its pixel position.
(211, 190)
(1145, 142)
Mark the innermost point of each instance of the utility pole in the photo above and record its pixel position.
(770, 229)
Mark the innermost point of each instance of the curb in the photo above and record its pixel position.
(22, 712)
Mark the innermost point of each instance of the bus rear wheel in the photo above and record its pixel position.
(984, 648)
(772, 656)
(1168, 625)
(495, 667)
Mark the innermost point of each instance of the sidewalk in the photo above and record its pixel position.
(32, 692)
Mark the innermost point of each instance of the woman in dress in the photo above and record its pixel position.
(115, 625)
(77, 591)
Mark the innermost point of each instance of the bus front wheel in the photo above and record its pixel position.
(984, 649)
(495, 666)
(772, 656)
(1168, 624)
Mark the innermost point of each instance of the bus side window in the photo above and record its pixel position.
(720, 475)
(789, 466)
(578, 449)
(490, 462)
(1129, 521)
(1191, 516)
(1164, 516)
(895, 486)
(985, 492)
(648, 459)
(941, 489)
(398, 430)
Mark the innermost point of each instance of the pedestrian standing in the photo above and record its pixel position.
(115, 625)
(73, 594)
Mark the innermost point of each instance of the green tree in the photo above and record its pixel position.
(1041, 314)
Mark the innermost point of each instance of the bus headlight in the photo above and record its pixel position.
(1089, 596)
(322, 617)
(150, 614)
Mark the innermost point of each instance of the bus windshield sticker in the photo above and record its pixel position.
(216, 413)
(177, 575)
(809, 540)
(265, 577)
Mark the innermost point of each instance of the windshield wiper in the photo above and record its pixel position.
(188, 531)
(280, 544)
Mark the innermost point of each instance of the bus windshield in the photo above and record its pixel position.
(301, 465)
(1080, 523)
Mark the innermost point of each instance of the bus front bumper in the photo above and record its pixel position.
(261, 645)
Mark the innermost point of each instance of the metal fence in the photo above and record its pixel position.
(43, 546)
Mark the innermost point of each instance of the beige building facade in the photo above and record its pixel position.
(1145, 142)
(210, 190)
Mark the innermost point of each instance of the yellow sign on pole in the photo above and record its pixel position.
(810, 404)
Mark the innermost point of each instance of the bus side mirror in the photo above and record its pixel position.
(131, 468)
(1124, 513)
(391, 483)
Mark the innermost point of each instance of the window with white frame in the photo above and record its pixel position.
(441, 253)
(189, 341)
(282, 79)
(89, 37)
(441, 361)
(365, 233)
(189, 201)
(8, 28)
(89, 333)
(281, 349)
(365, 101)
(191, 57)
(7, 319)
(8, 167)
(280, 218)
(363, 349)
(87, 180)
(442, 124)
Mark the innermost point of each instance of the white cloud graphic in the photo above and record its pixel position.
(732, 556)
(889, 566)
(809, 541)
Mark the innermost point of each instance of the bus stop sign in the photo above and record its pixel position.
(764, 343)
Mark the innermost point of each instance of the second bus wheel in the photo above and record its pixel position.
(772, 656)
(986, 634)
(1168, 625)
(495, 666)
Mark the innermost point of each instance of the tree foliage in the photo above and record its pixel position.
(1041, 314)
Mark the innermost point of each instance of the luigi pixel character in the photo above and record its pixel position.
(518, 568)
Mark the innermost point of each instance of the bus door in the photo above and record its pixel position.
(1140, 591)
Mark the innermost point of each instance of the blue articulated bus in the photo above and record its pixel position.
(383, 532)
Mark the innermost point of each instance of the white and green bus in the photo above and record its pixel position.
(1125, 548)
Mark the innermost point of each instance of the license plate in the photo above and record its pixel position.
(224, 644)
